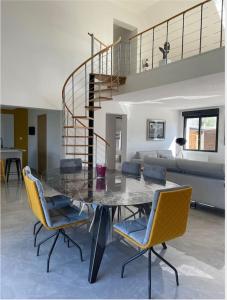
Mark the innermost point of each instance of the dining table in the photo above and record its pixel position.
(105, 195)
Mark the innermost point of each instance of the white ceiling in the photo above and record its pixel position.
(199, 92)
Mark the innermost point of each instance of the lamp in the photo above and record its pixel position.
(180, 142)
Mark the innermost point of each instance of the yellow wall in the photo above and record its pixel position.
(20, 130)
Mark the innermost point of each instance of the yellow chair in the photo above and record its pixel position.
(2, 170)
(167, 221)
(56, 201)
(54, 219)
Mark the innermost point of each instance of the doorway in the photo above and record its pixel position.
(42, 143)
(116, 134)
(126, 62)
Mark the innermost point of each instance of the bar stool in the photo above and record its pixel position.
(17, 161)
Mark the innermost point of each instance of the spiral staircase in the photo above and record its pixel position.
(83, 93)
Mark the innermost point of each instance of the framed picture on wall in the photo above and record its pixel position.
(156, 130)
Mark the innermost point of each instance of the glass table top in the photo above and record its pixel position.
(114, 189)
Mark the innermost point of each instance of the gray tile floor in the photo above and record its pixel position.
(198, 256)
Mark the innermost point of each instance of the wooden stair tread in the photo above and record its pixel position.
(102, 98)
(77, 136)
(102, 90)
(104, 77)
(92, 107)
(76, 145)
(83, 117)
(74, 153)
(79, 127)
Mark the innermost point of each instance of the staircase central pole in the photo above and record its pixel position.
(91, 122)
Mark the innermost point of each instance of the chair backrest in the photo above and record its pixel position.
(71, 165)
(37, 200)
(169, 215)
(131, 168)
(26, 170)
(154, 172)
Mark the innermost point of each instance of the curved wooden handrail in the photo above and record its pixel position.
(95, 38)
(87, 60)
(78, 68)
(171, 18)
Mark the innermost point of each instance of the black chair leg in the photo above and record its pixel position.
(36, 234)
(73, 242)
(8, 170)
(165, 261)
(43, 241)
(164, 246)
(131, 259)
(18, 171)
(51, 250)
(149, 274)
(34, 228)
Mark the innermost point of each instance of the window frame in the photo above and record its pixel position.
(200, 114)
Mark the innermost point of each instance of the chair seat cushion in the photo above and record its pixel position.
(58, 201)
(135, 229)
(66, 215)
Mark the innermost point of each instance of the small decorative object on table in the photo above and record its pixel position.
(165, 50)
(100, 170)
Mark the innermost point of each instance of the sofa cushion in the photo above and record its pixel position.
(201, 168)
(165, 154)
(169, 164)
(151, 153)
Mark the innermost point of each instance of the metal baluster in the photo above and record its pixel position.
(222, 8)
(182, 44)
(129, 54)
(73, 93)
(85, 73)
(140, 51)
(118, 62)
(201, 29)
(153, 50)
(106, 62)
(92, 52)
(167, 36)
(96, 147)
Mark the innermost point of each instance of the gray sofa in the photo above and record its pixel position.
(207, 179)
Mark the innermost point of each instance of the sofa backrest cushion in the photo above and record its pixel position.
(169, 164)
(142, 154)
(165, 154)
(201, 168)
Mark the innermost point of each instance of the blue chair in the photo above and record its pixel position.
(167, 220)
(71, 165)
(53, 219)
(131, 168)
(154, 172)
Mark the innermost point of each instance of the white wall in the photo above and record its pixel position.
(137, 116)
(54, 148)
(219, 156)
(44, 41)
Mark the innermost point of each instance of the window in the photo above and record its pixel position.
(201, 130)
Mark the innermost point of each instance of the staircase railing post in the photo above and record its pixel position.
(182, 39)
(153, 49)
(167, 37)
(140, 53)
(92, 52)
(201, 29)
(222, 8)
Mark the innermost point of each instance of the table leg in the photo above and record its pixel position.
(99, 240)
